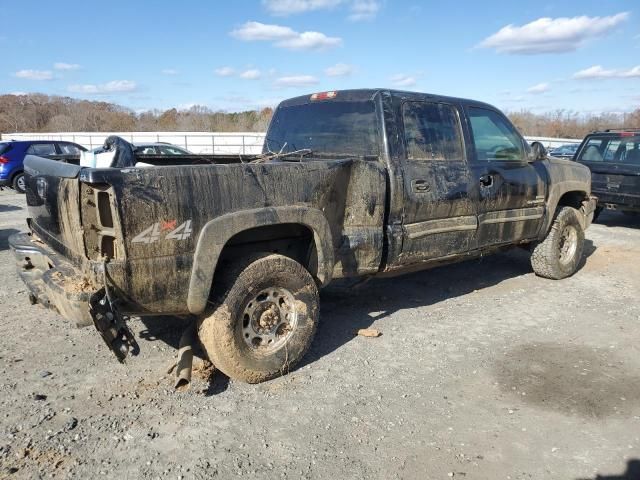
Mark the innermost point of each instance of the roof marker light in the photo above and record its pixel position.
(324, 95)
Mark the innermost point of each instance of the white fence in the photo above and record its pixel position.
(552, 142)
(247, 143)
(221, 143)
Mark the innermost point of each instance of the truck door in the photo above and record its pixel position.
(511, 189)
(439, 216)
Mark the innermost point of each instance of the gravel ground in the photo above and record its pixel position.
(483, 371)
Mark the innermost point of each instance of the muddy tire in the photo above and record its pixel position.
(558, 256)
(18, 183)
(263, 318)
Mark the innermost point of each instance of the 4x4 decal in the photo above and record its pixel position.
(154, 232)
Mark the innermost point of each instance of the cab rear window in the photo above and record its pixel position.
(611, 149)
(329, 128)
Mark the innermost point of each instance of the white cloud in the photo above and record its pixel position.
(34, 74)
(296, 81)
(66, 66)
(539, 88)
(597, 72)
(310, 41)
(256, 31)
(170, 71)
(115, 86)
(18, 94)
(339, 70)
(225, 71)
(631, 73)
(359, 9)
(402, 80)
(364, 10)
(551, 35)
(285, 37)
(251, 74)
(290, 7)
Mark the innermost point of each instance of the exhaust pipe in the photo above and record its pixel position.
(184, 365)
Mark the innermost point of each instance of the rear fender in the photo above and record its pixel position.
(216, 233)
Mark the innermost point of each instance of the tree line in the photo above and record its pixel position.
(46, 113)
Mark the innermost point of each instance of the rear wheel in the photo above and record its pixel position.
(263, 319)
(559, 254)
(19, 184)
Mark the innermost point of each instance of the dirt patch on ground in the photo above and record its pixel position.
(604, 257)
(571, 379)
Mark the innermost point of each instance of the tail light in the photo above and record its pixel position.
(324, 95)
(100, 222)
(4, 160)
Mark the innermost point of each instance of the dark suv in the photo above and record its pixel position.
(614, 159)
(12, 155)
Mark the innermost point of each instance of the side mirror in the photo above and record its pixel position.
(538, 152)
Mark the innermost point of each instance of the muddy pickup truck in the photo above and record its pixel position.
(350, 184)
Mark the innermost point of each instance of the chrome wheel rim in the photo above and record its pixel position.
(21, 182)
(568, 244)
(269, 320)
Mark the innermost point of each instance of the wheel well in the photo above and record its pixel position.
(16, 173)
(292, 240)
(572, 199)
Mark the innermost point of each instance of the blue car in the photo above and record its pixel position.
(12, 155)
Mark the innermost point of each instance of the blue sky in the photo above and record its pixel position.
(579, 55)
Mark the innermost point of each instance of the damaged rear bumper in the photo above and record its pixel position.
(53, 281)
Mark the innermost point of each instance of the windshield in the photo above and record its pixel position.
(612, 149)
(335, 128)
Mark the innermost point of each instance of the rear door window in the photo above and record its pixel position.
(432, 131)
(42, 149)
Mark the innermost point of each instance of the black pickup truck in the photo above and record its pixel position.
(350, 184)
(613, 156)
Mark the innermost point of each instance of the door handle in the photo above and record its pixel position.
(420, 186)
(486, 181)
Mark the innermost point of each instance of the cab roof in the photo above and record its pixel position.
(367, 94)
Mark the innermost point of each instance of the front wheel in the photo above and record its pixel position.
(263, 319)
(19, 184)
(559, 254)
